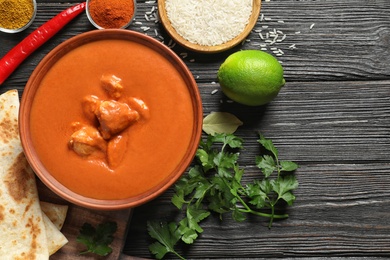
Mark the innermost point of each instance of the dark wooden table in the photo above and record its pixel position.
(332, 117)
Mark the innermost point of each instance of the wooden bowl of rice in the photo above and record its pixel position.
(208, 26)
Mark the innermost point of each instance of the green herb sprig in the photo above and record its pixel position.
(97, 240)
(214, 184)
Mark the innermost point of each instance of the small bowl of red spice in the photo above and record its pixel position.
(111, 14)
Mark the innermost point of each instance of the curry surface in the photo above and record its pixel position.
(155, 145)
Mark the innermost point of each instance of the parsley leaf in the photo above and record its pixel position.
(97, 240)
(283, 187)
(288, 166)
(267, 144)
(267, 164)
(167, 236)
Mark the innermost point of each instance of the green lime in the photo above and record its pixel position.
(251, 77)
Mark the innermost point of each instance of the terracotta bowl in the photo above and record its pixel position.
(33, 89)
(209, 49)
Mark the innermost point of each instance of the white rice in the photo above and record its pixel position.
(209, 22)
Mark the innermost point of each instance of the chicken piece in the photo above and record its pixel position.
(87, 141)
(114, 117)
(90, 105)
(112, 85)
(139, 106)
(116, 150)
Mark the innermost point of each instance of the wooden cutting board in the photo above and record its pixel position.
(76, 217)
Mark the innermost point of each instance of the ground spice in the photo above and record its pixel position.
(111, 14)
(15, 14)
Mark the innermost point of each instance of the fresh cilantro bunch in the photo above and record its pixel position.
(97, 240)
(214, 184)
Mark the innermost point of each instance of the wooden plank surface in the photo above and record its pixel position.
(332, 117)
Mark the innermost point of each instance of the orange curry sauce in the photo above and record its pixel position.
(155, 144)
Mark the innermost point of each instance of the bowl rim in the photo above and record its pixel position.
(102, 28)
(256, 7)
(32, 86)
(24, 27)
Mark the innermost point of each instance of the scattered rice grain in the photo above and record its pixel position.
(292, 46)
(261, 36)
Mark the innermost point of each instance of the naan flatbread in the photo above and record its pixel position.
(55, 239)
(54, 217)
(26, 232)
(55, 212)
(22, 229)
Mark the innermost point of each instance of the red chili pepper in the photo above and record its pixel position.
(33, 41)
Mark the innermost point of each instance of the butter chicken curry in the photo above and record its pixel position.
(111, 119)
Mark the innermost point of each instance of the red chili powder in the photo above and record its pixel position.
(110, 14)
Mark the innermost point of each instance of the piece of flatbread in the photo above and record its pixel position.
(55, 239)
(22, 228)
(55, 212)
(26, 232)
(54, 217)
